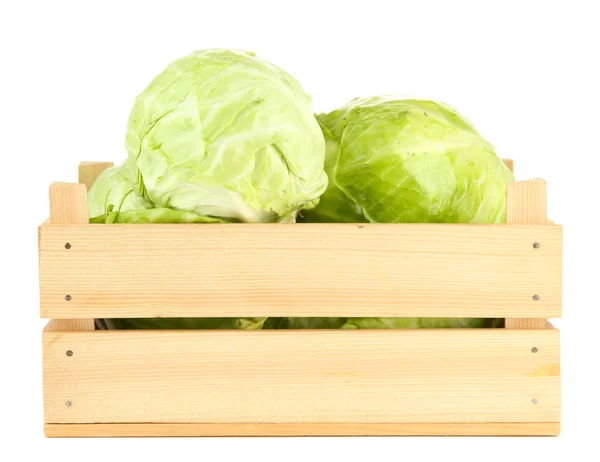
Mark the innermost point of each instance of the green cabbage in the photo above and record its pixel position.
(408, 161)
(224, 134)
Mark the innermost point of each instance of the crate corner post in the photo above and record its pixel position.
(526, 205)
(68, 206)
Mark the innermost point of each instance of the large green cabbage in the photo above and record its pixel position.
(218, 134)
(408, 161)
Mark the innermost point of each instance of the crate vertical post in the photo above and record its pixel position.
(68, 205)
(526, 205)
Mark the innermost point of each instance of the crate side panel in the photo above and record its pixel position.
(488, 375)
(300, 270)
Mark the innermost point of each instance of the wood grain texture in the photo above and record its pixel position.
(525, 323)
(526, 204)
(391, 376)
(299, 270)
(66, 325)
(89, 171)
(303, 429)
(68, 206)
(68, 203)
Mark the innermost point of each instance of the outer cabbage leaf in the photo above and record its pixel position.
(334, 206)
(382, 323)
(114, 192)
(426, 323)
(453, 323)
(112, 199)
(304, 323)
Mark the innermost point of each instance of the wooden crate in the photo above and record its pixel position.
(300, 382)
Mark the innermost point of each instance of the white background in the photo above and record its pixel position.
(525, 73)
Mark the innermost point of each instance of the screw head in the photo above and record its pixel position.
(534, 350)
(67, 246)
(536, 297)
(68, 404)
(68, 298)
(534, 401)
(69, 353)
(536, 245)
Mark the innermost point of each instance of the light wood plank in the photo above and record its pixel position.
(89, 171)
(510, 164)
(392, 376)
(68, 203)
(68, 206)
(299, 270)
(526, 204)
(304, 429)
(68, 325)
(525, 323)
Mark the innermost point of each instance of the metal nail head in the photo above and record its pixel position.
(68, 404)
(536, 245)
(68, 298)
(69, 353)
(536, 297)
(534, 350)
(67, 246)
(534, 401)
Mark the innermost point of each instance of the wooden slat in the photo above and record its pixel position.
(525, 323)
(510, 164)
(526, 204)
(89, 171)
(68, 206)
(304, 429)
(336, 376)
(299, 270)
(66, 325)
